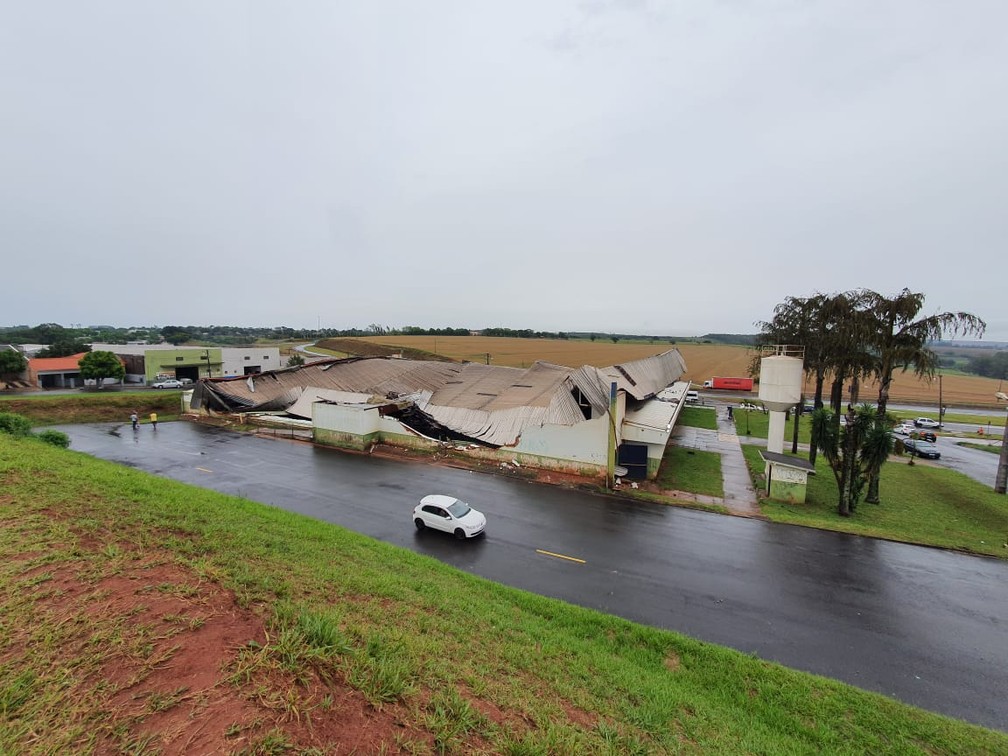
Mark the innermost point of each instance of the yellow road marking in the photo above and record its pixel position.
(561, 556)
(203, 469)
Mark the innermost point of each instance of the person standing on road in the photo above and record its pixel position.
(153, 419)
(135, 420)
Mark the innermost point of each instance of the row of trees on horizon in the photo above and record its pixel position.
(55, 334)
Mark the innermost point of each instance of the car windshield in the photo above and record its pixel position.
(459, 509)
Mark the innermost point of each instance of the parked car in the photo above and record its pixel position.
(926, 422)
(904, 429)
(692, 397)
(925, 436)
(171, 383)
(924, 449)
(449, 514)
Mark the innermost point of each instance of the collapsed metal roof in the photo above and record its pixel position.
(488, 404)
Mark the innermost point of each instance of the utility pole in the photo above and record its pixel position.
(611, 457)
(1002, 472)
(941, 408)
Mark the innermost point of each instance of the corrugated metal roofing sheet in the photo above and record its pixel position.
(642, 379)
(485, 402)
(651, 414)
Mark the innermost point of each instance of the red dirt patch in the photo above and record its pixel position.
(167, 676)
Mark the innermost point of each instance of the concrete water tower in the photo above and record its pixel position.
(780, 387)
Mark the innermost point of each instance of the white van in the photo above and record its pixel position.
(692, 397)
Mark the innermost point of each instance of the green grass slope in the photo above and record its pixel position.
(470, 665)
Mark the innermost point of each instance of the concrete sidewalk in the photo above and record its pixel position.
(739, 495)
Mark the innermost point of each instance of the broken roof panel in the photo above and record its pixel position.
(303, 406)
(654, 414)
(485, 402)
(497, 388)
(644, 378)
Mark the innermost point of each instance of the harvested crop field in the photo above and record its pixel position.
(702, 361)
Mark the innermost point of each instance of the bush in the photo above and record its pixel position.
(16, 425)
(55, 438)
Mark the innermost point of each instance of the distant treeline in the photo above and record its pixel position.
(54, 333)
(745, 339)
(989, 365)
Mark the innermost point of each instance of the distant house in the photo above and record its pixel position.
(583, 420)
(56, 372)
(61, 372)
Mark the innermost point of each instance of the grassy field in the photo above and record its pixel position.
(93, 406)
(702, 361)
(920, 503)
(140, 615)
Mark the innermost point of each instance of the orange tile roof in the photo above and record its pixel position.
(64, 364)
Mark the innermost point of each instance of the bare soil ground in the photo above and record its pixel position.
(180, 699)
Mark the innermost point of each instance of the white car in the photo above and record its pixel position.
(449, 514)
(171, 383)
(926, 422)
(904, 429)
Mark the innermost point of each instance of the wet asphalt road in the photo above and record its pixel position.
(979, 465)
(922, 625)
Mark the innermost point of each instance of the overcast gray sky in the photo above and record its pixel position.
(661, 168)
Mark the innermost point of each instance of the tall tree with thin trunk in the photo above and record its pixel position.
(901, 342)
(853, 450)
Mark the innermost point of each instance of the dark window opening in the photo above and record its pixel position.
(582, 402)
(634, 458)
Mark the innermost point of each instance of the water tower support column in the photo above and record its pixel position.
(775, 432)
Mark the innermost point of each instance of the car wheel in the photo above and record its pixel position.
(419, 524)
(460, 534)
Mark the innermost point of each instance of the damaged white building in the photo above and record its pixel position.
(587, 420)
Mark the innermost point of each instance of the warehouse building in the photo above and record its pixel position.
(587, 420)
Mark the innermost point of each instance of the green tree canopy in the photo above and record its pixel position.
(98, 366)
(11, 362)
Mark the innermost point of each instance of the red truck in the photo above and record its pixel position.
(732, 384)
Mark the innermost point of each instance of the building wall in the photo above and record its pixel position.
(655, 441)
(585, 443)
(581, 449)
(237, 359)
(786, 483)
(197, 360)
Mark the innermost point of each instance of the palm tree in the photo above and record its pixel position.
(853, 451)
(902, 342)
